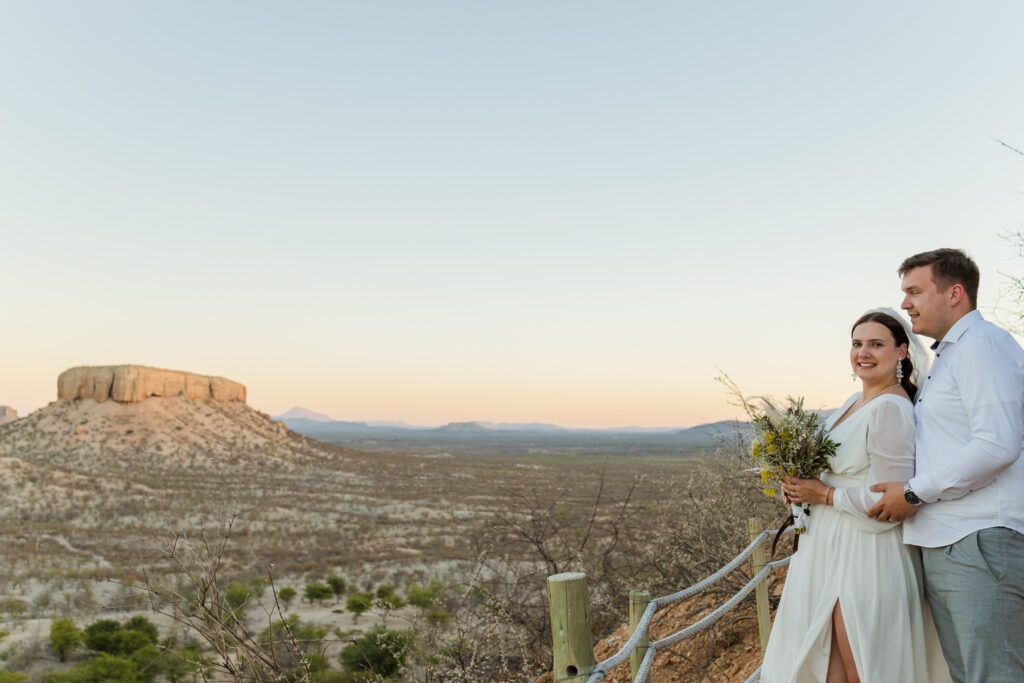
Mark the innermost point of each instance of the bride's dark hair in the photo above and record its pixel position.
(900, 335)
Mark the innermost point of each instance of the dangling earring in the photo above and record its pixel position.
(853, 375)
(899, 371)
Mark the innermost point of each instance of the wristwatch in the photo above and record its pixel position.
(910, 496)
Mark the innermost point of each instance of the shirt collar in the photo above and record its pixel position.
(958, 329)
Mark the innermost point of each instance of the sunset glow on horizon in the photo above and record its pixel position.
(524, 212)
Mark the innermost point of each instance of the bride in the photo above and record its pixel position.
(852, 607)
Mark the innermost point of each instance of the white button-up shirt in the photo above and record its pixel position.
(970, 435)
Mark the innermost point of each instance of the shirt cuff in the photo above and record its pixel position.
(926, 489)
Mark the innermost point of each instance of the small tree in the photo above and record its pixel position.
(101, 636)
(358, 603)
(237, 594)
(317, 592)
(147, 660)
(286, 595)
(436, 616)
(257, 585)
(387, 599)
(337, 585)
(13, 606)
(424, 596)
(64, 637)
(144, 626)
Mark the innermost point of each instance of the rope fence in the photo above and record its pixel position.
(574, 660)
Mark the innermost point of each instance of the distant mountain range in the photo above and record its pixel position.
(315, 425)
(299, 417)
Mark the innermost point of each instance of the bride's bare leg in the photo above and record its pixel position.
(836, 671)
(841, 642)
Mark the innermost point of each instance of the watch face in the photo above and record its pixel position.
(911, 497)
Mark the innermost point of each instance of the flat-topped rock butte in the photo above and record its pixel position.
(136, 383)
(7, 414)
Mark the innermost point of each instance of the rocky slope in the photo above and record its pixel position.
(728, 652)
(91, 489)
(169, 433)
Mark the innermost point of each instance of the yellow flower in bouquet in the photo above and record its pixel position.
(789, 441)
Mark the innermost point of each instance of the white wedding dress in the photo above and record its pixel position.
(844, 555)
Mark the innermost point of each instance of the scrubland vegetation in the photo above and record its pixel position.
(283, 558)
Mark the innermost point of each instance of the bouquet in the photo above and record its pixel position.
(789, 441)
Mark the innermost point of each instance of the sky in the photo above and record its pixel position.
(568, 212)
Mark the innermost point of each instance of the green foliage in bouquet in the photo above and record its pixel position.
(789, 441)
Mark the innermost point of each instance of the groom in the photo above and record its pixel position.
(967, 497)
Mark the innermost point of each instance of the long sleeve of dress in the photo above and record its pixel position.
(890, 447)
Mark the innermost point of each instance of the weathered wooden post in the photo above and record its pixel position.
(572, 639)
(757, 560)
(638, 601)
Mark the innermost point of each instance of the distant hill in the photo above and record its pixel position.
(466, 427)
(722, 428)
(529, 427)
(300, 413)
(174, 432)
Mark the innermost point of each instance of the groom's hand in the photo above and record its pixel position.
(893, 507)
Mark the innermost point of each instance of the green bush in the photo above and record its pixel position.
(317, 592)
(103, 668)
(147, 660)
(309, 637)
(144, 626)
(110, 637)
(278, 630)
(387, 599)
(380, 651)
(101, 636)
(358, 603)
(13, 606)
(337, 585)
(237, 594)
(257, 585)
(436, 616)
(286, 595)
(422, 596)
(64, 637)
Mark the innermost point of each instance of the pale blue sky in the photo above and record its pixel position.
(561, 211)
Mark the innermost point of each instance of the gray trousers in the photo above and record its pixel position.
(975, 588)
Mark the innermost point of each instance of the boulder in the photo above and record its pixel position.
(7, 414)
(136, 383)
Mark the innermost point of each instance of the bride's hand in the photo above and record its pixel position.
(805, 490)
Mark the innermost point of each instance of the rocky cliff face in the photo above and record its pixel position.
(136, 383)
(7, 414)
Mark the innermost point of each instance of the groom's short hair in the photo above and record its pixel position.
(949, 267)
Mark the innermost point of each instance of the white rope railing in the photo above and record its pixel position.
(603, 667)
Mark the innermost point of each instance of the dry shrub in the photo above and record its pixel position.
(621, 540)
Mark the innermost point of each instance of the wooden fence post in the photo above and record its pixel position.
(757, 560)
(572, 638)
(638, 601)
